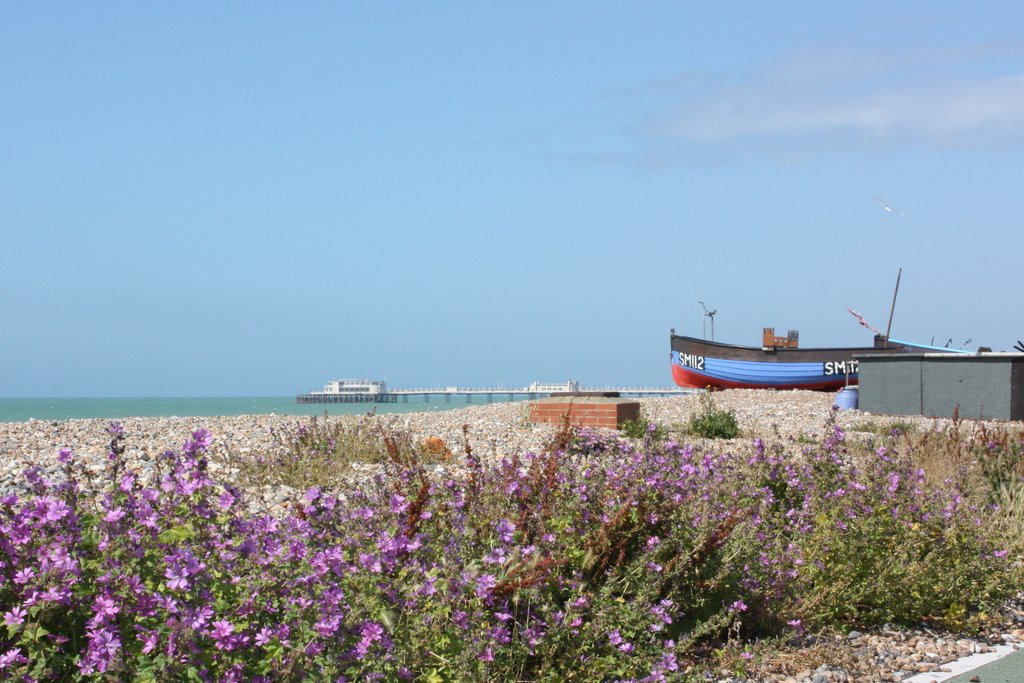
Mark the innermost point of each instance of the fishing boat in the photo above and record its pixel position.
(779, 363)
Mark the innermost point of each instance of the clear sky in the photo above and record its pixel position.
(252, 198)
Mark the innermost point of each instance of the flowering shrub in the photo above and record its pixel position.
(599, 561)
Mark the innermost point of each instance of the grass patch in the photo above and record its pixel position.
(885, 428)
(323, 453)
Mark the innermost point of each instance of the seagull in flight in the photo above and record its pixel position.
(890, 209)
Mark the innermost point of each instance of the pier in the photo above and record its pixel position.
(445, 394)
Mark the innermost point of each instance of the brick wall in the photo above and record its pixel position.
(584, 411)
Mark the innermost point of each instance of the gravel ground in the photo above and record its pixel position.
(500, 429)
(495, 430)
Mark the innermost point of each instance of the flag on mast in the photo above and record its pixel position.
(862, 321)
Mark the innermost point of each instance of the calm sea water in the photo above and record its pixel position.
(21, 409)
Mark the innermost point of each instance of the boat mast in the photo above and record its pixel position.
(892, 309)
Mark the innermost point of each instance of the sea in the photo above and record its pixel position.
(55, 409)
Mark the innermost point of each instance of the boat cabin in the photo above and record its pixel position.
(769, 342)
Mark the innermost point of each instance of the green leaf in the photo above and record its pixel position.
(388, 619)
(147, 675)
(182, 532)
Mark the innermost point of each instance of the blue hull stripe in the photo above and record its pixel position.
(753, 372)
(766, 373)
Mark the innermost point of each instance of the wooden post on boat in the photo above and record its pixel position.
(892, 309)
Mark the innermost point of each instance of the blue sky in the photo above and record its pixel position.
(254, 198)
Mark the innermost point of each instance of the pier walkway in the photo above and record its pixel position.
(446, 394)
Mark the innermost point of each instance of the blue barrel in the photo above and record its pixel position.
(846, 399)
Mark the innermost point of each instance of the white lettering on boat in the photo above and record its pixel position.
(691, 360)
(841, 367)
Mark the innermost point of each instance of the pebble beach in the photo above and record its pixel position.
(502, 429)
(495, 430)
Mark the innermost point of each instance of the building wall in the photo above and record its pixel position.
(986, 386)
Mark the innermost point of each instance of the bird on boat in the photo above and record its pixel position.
(890, 209)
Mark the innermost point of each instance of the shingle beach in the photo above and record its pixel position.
(495, 430)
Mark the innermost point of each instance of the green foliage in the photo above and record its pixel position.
(712, 422)
(1000, 458)
(884, 546)
(986, 462)
(643, 428)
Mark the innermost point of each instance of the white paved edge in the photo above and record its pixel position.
(963, 665)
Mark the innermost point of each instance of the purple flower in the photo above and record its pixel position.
(506, 531)
(12, 656)
(200, 441)
(738, 606)
(485, 583)
(327, 626)
(178, 578)
(105, 607)
(115, 515)
(16, 616)
(1001, 553)
(23, 576)
(222, 634)
(264, 636)
(616, 639)
(496, 556)
(371, 633)
(103, 646)
(661, 612)
(65, 456)
(225, 500)
(149, 640)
